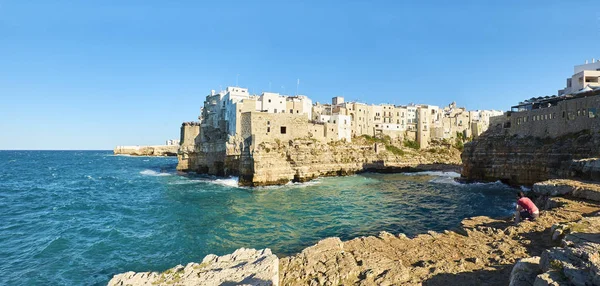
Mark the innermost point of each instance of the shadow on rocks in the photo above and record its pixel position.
(478, 277)
(251, 280)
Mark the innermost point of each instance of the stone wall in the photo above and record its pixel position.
(267, 127)
(567, 116)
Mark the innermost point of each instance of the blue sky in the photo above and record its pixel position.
(95, 74)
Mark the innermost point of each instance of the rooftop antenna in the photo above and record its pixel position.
(297, 84)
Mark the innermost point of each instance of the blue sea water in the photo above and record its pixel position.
(79, 217)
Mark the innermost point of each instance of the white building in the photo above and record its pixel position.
(341, 125)
(584, 75)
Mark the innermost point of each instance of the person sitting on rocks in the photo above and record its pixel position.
(526, 209)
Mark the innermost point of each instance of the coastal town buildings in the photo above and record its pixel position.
(233, 115)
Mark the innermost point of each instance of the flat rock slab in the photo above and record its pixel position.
(561, 187)
(243, 267)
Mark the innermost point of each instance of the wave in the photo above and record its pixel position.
(228, 182)
(291, 184)
(148, 172)
(434, 173)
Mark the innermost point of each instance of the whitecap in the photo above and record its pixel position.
(148, 172)
(446, 180)
(434, 173)
(228, 182)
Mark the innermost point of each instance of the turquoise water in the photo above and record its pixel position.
(79, 217)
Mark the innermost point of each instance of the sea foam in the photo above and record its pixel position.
(149, 172)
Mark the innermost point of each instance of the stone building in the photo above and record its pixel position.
(573, 110)
(584, 76)
(555, 116)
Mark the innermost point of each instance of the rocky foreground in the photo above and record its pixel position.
(561, 248)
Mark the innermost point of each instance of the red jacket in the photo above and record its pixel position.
(527, 205)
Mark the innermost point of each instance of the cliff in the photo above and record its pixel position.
(277, 161)
(302, 160)
(158, 150)
(517, 160)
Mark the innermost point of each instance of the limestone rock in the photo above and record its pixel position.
(304, 159)
(495, 155)
(577, 262)
(243, 267)
(525, 271)
(575, 188)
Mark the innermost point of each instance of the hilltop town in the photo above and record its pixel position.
(268, 116)
(237, 132)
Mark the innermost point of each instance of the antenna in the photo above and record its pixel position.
(297, 84)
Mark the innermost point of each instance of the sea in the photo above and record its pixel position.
(80, 217)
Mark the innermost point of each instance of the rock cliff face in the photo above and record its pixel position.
(302, 160)
(527, 160)
(158, 150)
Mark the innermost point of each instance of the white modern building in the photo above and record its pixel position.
(586, 75)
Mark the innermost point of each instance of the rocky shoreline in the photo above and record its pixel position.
(481, 250)
(158, 150)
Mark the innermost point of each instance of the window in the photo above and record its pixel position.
(268, 122)
(291, 111)
(275, 110)
(268, 129)
(283, 130)
(269, 101)
(591, 112)
(563, 114)
(297, 111)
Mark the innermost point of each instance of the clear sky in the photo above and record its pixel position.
(95, 74)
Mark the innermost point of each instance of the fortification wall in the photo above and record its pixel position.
(568, 116)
